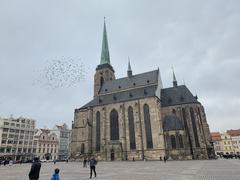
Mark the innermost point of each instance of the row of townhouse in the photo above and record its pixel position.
(227, 142)
(21, 140)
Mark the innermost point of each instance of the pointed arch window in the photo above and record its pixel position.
(114, 127)
(201, 122)
(173, 142)
(98, 135)
(184, 119)
(82, 148)
(194, 126)
(101, 81)
(131, 128)
(180, 140)
(148, 129)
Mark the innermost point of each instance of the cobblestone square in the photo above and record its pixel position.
(139, 170)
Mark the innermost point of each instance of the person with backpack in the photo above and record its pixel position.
(93, 164)
(55, 176)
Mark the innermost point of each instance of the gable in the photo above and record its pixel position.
(177, 95)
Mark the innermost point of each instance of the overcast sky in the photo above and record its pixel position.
(200, 39)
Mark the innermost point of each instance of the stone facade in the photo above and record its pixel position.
(47, 144)
(16, 138)
(63, 135)
(135, 117)
(85, 124)
(227, 142)
(190, 150)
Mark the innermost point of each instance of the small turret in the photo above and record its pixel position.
(129, 71)
(174, 79)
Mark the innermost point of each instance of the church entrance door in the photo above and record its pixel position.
(112, 155)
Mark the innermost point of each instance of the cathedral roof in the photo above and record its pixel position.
(177, 95)
(122, 96)
(133, 82)
(171, 123)
(140, 86)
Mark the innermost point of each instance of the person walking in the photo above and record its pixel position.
(4, 162)
(84, 162)
(93, 164)
(55, 175)
(165, 159)
(35, 169)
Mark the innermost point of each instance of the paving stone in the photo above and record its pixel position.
(139, 170)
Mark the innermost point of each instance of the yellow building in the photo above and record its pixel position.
(235, 136)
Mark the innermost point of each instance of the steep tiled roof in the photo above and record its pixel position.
(177, 95)
(233, 132)
(135, 81)
(122, 96)
(216, 136)
(140, 86)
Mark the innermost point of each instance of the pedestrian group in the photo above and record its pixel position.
(36, 166)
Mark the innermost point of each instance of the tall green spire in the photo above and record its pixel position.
(105, 58)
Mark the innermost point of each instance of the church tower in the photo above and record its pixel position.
(104, 71)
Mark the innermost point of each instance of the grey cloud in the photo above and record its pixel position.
(199, 38)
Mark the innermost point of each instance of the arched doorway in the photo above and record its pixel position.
(112, 155)
(82, 148)
(48, 156)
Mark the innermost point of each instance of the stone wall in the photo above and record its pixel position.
(201, 124)
(84, 131)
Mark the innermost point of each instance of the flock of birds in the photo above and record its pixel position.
(65, 72)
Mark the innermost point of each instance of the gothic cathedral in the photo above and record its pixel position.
(135, 117)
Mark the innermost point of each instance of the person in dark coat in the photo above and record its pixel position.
(85, 162)
(35, 169)
(93, 164)
(165, 159)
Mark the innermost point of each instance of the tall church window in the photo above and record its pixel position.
(114, 128)
(200, 118)
(168, 140)
(98, 135)
(180, 140)
(82, 148)
(184, 119)
(131, 128)
(199, 113)
(101, 81)
(173, 142)
(186, 129)
(195, 133)
(148, 129)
